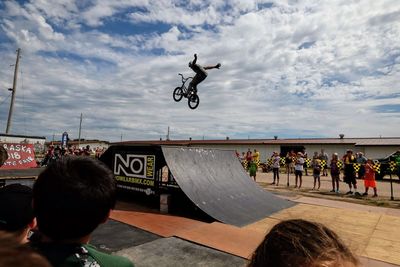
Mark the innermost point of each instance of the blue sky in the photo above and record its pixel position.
(289, 68)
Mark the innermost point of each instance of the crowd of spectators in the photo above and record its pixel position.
(321, 164)
(55, 152)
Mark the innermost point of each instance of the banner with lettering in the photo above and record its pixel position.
(135, 172)
(20, 156)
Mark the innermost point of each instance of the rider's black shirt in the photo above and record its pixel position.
(198, 69)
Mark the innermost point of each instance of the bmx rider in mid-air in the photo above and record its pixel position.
(201, 73)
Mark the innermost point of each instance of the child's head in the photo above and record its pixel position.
(16, 213)
(13, 253)
(72, 196)
(304, 244)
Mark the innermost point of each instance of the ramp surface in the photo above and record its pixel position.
(217, 183)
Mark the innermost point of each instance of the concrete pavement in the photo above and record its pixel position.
(383, 187)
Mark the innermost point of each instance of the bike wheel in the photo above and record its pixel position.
(193, 101)
(178, 94)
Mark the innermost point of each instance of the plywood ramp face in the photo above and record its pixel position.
(230, 239)
(163, 225)
(215, 181)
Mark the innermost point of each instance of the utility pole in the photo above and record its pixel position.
(168, 134)
(79, 135)
(14, 88)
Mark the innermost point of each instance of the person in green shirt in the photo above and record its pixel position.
(253, 169)
(71, 198)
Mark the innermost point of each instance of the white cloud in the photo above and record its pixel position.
(297, 68)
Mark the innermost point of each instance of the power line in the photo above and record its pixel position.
(5, 99)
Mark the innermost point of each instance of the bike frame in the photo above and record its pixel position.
(183, 86)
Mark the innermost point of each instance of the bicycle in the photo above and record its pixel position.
(183, 91)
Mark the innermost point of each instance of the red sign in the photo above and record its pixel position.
(20, 156)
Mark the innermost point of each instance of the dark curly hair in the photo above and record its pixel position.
(72, 196)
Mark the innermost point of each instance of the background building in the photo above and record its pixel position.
(371, 147)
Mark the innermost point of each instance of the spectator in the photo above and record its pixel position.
(13, 253)
(256, 156)
(249, 156)
(360, 159)
(299, 170)
(276, 159)
(335, 173)
(16, 213)
(369, 178)
(302, 243)
(324, 158)
(253, 169)
(3, 155)
(49, 157)
(349, 175)
(288, 162)
(293, 161)
(305, 156)
(236, 153)
(317, 173)
(71, 197)
(87, 151)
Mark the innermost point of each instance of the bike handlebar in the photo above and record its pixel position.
(183, 78)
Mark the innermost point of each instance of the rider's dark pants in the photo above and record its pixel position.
(198, 78)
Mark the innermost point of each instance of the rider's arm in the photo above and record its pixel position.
(213, 67)
(195, 59)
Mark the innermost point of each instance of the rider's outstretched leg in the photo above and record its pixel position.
(190, 88)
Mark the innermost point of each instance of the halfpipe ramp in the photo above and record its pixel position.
(217, 183)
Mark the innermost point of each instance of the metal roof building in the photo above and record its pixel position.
(371, 147)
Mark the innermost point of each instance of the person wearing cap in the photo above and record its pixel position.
(276, 159)
(16, 213)
(349, 174)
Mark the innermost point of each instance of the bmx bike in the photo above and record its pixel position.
(183, 91)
